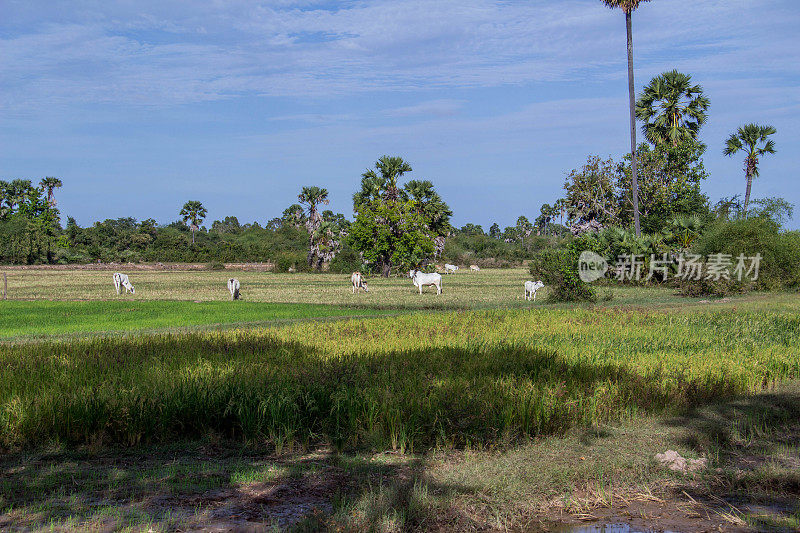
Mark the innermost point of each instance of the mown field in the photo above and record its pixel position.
(464, 290)
(49, 302)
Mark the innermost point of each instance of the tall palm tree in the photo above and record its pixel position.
(49, 184)
(194, 213)
(753, 140)
(672, 108)
(628, 6)
(313, 197)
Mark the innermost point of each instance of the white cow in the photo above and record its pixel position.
(233, 288)
(121, 280)
(448, 268)
(530, 289)
(421, 279)
(474, 268)
(358, 282)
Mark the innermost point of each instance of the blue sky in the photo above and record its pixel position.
(140, 105)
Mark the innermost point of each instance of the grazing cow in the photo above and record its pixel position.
(233, 288)
(474, 268)
(530, 289)
(421, 279)
(448, 268)
(121, 280)
(358, 282)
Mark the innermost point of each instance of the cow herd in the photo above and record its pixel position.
(418, 278)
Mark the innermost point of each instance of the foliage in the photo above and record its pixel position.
(669, 185)
(754, 141)
(394, 227)
(672, 109)
(590, 193)
(391, 235)
(780, 251)
(29, 225)
(193, 212)
(558, 270)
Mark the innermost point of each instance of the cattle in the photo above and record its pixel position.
(358, 282)
(448, 268)
(530, 289)
(420, 279)
(121, 280)
(474, 268)
(233, 288)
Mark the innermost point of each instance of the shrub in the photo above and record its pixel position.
(558, 269)
(708, 287)
(780, 251)
(215, 265)
(346, 261)
(288, 260)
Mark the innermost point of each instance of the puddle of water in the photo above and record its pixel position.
(610, 528)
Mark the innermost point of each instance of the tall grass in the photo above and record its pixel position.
(410, 382)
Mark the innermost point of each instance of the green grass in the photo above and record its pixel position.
(409, 382)
(44, 318)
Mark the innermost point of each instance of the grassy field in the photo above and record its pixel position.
(481, 410)
(409, 382)
(38, 319)
(464, 290)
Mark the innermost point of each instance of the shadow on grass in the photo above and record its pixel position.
(754, 443)
(223, 486)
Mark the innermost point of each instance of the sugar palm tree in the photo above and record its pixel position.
(312, 198)
(434, 211)
(194, 213)
(754, 141)
(49, 184)
(391, 168)
(672, 108)
(628, 6)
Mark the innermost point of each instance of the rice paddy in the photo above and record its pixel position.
(407, 382)
(477, 392)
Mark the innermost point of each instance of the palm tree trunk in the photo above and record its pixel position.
(192, 236)
(632, 102)
(747, 192)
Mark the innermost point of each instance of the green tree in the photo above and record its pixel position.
(495, 231)
(628, 6)
(430, 206)
(591, 195)
(312, 198)
(672, 109)
(294, 216)
(193, 212)
(754, 141)
(50, 184)
(390, 234)
(669, 184)
(416, 209)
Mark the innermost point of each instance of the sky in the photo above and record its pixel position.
(140, 105)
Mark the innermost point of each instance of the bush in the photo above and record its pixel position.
(558, 269)
(346, 261)
(215, 265)
(290, 260)
(708, 287)
(780, 251)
